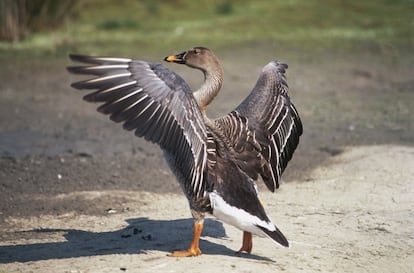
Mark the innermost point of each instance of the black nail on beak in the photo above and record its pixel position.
(178, 58)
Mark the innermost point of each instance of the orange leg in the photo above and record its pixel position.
(194, 249)
(247, 242)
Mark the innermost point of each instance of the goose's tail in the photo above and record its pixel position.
(276, 235)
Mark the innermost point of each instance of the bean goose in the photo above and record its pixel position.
(217, 162)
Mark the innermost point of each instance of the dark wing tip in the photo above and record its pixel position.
(79, 58)
(76, 58)
(77, 85)
(266, 175)
(76, 69)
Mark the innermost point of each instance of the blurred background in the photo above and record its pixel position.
(140, 27)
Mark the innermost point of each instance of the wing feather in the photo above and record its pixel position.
(272, 126)
(156, 104)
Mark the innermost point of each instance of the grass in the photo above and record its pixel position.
(129, 27)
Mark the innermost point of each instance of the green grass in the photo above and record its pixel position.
(131, 27)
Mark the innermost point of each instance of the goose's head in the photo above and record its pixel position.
(198, 57)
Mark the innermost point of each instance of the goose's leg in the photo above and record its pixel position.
(247, 242)
(194, 249)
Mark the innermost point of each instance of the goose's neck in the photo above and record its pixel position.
(213, 79)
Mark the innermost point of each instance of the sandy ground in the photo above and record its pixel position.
(77, 194)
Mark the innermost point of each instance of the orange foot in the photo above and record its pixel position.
(186, 253)
(247, 243)
(194, 249)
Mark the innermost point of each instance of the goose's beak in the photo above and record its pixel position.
(178, 58)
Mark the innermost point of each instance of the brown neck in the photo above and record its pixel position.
(213, 79)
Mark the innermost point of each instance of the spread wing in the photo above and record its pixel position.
(266, 127)
(156, 104)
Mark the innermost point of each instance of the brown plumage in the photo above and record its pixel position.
(216, 161)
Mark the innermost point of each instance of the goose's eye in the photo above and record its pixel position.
(197, 51)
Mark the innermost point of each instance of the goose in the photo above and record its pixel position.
(216, 161)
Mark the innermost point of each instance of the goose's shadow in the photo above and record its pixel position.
(140, 236)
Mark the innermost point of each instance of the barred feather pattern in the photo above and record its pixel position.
(274, 120)
(260, 135)
(156, 104)
(241, 143)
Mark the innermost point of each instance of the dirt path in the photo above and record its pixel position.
(355, 215)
